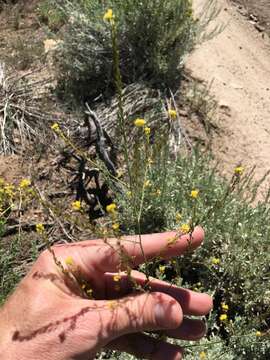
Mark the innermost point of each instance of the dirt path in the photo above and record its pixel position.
(238, 63)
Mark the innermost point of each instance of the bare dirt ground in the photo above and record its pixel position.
(238, 63)
(257, 11)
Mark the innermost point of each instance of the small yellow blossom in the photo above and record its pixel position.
(25, 183)
(139, 122)
(194, 193)
(185, 228)
(258, 333)
(111, 208)
(115, 226)
(69, 261)
(117, 278)
(224, 307)
(172, 113)
(158, 192)
(76, 205)
(162, 268)
(112, 304)
(2, 182)
(89, 292)
(215, 261)
(40, 228)
(223, 317)
(55, 127)
(9, 190)
(239, 170)
(129, 194)
(108, 16)
(202, 355)
(147, 130)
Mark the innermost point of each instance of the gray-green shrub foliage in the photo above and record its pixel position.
(153, 37)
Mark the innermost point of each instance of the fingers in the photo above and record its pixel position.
(136, 313)
(192, 303)
(190, 330)
(114, 255)
(146, 347)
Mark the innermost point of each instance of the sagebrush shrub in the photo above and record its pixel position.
(153, 37)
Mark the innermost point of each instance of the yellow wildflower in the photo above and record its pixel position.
(162, 268)
(185, 228)
(55, 127)
(129, 194)
(76, 205)
(112, 304)
(194, 193)
(172, 113)
(69, 261)
(117, 278)
(2, 182)
(239, 170)
(111, 208)
(258, 333)
(25, 183)
(108, 16)
(147, 131)
(223, 317)
(9, 190)
(40, 228)
(215, 261)
(202, 355)
(139, 122)
(89, 292)
(224, 307)
(115, 226)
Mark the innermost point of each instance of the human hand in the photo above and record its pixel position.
(46, 318)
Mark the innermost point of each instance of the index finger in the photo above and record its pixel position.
(114, 255)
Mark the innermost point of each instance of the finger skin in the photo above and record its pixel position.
(107, 256)
(190, 330)
(192, 303)
(146, 347)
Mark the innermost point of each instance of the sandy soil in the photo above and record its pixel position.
(238, 63)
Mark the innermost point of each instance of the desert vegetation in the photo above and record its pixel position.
(106, 140)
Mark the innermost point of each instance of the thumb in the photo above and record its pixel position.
(141, 312)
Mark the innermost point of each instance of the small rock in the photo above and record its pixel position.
(259, 28)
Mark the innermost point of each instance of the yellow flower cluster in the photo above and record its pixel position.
(139, 122)
(115, 226)
(172, 113)
(194, 193)
(185, 229)
(25, 183)
(162, 269)
(215, 261)
(76, 205)
(224, 307)
(40, 229)
(109, 15)
(55, 127)
(69, 261)
(117, 278)
(239, 170)
(223, 317)
(111, 209)
(202, 355)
